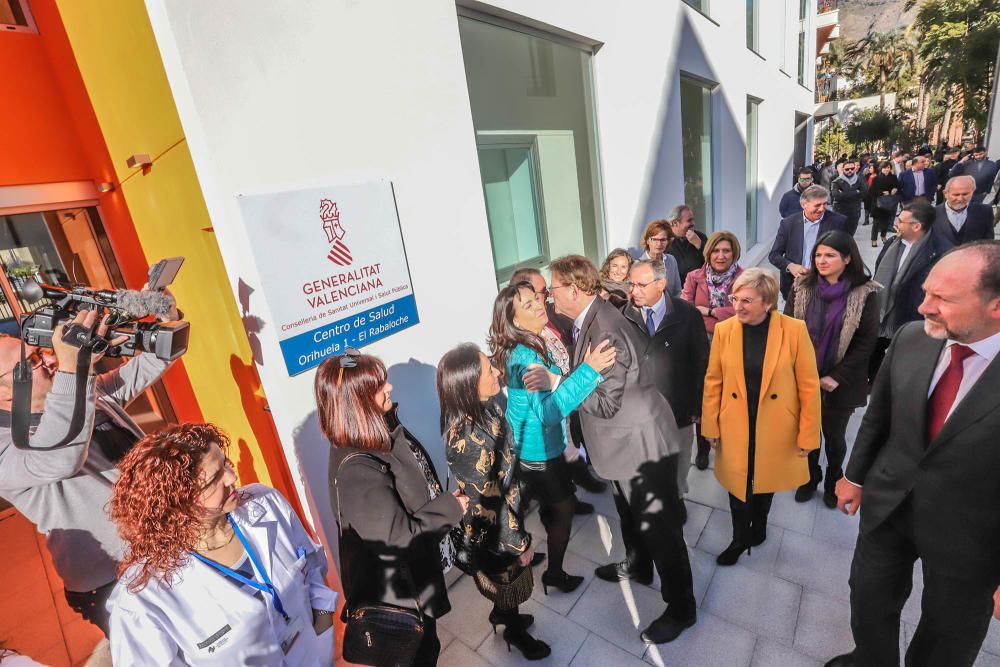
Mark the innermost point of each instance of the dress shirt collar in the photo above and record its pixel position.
(807, 221)
(578, 322)
(987, 348)
(956, 218)
(660, 309)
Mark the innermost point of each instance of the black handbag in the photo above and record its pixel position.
(887, 203)
(381, 635)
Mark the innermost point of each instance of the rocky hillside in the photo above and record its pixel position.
(860, 17)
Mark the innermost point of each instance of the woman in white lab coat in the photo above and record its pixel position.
(213, 575)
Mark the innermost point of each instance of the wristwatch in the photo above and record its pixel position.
(322, 612)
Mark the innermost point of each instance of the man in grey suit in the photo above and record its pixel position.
(925, 472)
(633, 441)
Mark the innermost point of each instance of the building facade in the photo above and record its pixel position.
(512, 132)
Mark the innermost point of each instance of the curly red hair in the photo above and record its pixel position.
(155, 500)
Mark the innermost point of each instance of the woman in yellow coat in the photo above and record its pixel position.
(761, 408)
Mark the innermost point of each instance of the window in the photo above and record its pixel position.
(753, 111)
(511, 191)
(700, 5)
(696, 149)
(15, 16)
(803, 27)
(65, 247)
(752, 25)
(532, 108)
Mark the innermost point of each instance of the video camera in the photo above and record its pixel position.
(124, 309)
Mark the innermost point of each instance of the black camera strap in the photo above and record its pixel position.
(20, 428)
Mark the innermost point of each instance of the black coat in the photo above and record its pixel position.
(391, 530)
(978, 224)
(848, 198)
(688, 257)
(908, 289)
(787, 247)
(851, 372)
(953, 482)
(676, 356)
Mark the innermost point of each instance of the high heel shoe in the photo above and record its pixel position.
(530, 648)
(566, 583)
(523, 620)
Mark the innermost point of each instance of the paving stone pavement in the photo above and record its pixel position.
(785, 605)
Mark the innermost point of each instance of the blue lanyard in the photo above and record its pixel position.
(266, 587)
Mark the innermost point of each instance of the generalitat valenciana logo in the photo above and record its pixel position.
(339, 253)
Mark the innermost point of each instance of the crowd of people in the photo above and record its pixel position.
(635, 371)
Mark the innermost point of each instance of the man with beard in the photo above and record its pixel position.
(925, 471)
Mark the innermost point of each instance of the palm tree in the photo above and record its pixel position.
(883, 60)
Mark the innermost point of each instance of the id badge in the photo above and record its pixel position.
(291, 633)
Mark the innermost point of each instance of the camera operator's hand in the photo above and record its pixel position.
(174, 314)
(67, 354)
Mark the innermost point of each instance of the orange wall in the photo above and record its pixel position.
(39, 146)
(51, 135)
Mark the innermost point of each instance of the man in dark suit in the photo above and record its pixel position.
(688, 245)
(633, 441)
(676, 351)
(797, 234)
(958, 219)
(901, 269)
(919, 182)
(925, 473)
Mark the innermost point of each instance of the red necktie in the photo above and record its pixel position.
(944, 393)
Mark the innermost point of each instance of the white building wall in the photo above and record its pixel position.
(289, 95)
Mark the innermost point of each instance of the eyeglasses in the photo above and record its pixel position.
(347, 360)
(735, 300)
(658, 239)
(553, 288)
(640, 285)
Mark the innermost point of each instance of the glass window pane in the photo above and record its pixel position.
(532, 108)
(802, 57)
(700, 5)
(752, 24)
(509, 187)
(753, 107)
(696, 146)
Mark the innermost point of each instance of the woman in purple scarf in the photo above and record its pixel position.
(838, 303)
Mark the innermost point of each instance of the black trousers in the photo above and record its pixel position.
(955, 609)
(652, 529)
(430, 645)
(92, 605)
(878, 354)
(834, 423)
(750, 519)
(881, 220)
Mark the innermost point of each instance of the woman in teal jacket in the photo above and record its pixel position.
(537, 418)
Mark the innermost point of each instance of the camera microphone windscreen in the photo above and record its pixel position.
(141, 304)
(30, 291)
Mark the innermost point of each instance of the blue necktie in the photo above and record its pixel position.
(576, 332)
(650, 324)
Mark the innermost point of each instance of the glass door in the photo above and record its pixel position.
(64, 248)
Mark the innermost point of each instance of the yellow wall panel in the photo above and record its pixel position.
(115, 50)
(171, 220)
